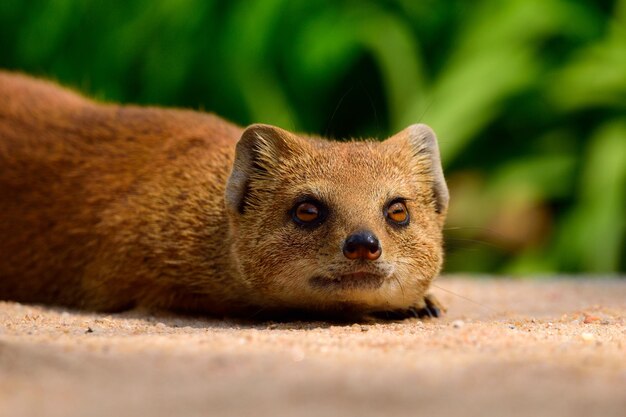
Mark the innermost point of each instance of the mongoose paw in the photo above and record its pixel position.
(431, 308)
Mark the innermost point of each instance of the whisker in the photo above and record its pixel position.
(428, 106)
(482, 229)
(475, 229)
(327, 130)
(482, 242)
(401, 287)
(254, 315)
(371, 104)
(432, 284)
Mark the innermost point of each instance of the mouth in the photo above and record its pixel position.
(352, 281)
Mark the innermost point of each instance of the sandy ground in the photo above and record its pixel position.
(532, 348)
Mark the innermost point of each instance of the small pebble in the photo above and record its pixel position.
(457, 324)
(587, 337)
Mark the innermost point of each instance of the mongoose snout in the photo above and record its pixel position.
(362, 244)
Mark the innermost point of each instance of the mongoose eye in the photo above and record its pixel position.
(398, 213)
(307, 213)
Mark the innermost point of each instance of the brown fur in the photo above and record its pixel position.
(108, 207)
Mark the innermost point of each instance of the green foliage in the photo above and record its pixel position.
(528, 96)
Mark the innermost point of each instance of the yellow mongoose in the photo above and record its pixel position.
(109, 207)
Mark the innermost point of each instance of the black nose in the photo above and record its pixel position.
(362, 245)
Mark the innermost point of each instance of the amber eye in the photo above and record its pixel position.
(398, 213)
(306, 212)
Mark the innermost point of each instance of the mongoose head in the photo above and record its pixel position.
(347, 226)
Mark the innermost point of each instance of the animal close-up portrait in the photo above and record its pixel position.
(274, 207)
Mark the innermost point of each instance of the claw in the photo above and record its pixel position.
(432, 309)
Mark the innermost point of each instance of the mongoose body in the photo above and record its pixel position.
(109, 207)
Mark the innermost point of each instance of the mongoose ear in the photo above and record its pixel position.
(260, 148)
(423, 142)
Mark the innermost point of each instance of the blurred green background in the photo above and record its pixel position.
(528, 97)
